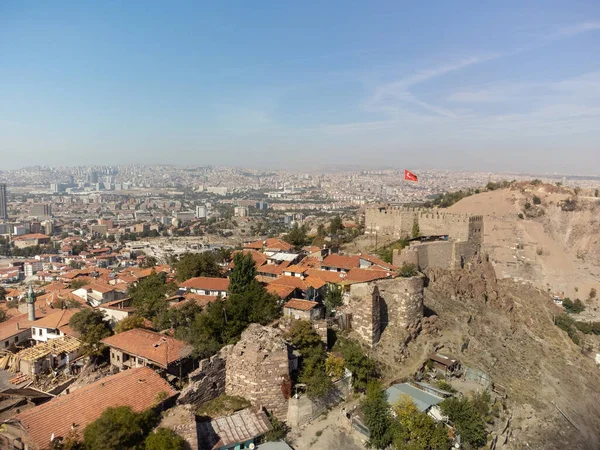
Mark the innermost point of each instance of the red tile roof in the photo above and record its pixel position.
(378, 262)
(295, 269)
(301, 305)
(153, 346)
(57, 319)
(326, 275)
(280, 291)
(298, 282)
(258, 257)
(137, 388)
(206, 283)
(271, 244)
(363, 275)
(342, 262)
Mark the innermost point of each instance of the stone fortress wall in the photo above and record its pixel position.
(464, 232)
(395, 303)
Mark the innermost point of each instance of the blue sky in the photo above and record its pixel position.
(499, 86)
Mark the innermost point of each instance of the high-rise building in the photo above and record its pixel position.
(3, 202)
(40, 210)
(201, 212)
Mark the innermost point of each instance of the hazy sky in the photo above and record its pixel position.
(505, 85)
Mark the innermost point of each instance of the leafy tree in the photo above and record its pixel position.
(2, 293)
(149, 295)
(468, 421)
(386, 253)
(243, 273)
(378, 416)
(321, 230)
(304, 338)
(336, 225)
(333, 297)
(120, 428)
(415, 229)
(313, 372)
(573, 307)
(164, 439)
(129, 323)
(176, 318)
(297, 236)
(408, 270)
(90, 324)
(363, 368)
(279, 430)
(149, 261)
(75, 264)
(334, 366)
(66, 303)
(3, 315)
(417, 430)
(12, 304)
(192, 265)
(78, 283)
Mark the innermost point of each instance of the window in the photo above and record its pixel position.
(16, 338)
(5, 344)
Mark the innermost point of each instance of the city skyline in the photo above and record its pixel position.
(463, 87)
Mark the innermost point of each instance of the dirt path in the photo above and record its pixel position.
(327, 432)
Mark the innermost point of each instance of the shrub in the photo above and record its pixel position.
(466, 417)
(164, 439)
(408, 270)
(536, 200)
(593, 293)
(520, 216)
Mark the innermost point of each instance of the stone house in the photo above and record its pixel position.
(303, 309)
(140, 347)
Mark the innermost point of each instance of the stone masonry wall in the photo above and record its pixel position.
(206, 382)
(398, 221)
(438, 254)
(363, 304)
(403, 298)
(257, 367)
(376, 305)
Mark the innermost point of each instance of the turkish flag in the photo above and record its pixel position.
(409, 176)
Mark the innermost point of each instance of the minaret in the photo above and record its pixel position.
(31, 303)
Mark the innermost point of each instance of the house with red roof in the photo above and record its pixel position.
(206, 286)
(34, 428)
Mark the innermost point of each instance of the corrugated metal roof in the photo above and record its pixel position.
(240, 427)
(422, 400)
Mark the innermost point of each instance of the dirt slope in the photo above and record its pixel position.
(558, 250)
(505, 328)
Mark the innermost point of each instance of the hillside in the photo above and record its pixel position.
(551, 248)
(505, 329)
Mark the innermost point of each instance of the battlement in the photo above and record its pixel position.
(398, 220)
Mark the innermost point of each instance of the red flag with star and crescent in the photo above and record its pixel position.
(409, 176)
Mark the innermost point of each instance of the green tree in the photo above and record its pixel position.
(278, 431)
(78, 283)
(192, 265)
(149, 261)
(164, 439)
(387, 253)
(118, 428)
(363, 368)
(415, 229)
(75, 264)
(468, 421)
(417, 430)
(297, 236)
(378, 416)
(243, 273)
(90, 324)
(2, 293)
(336, 224)
(313, 371)
(149, 295)
(3, 315)
(333, 297)
(129, 323)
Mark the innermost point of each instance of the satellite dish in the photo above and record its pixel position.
(52, 437)
(251, 446)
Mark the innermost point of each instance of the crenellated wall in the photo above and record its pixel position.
(398, 221)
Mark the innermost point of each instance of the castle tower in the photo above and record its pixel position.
(31, 304)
